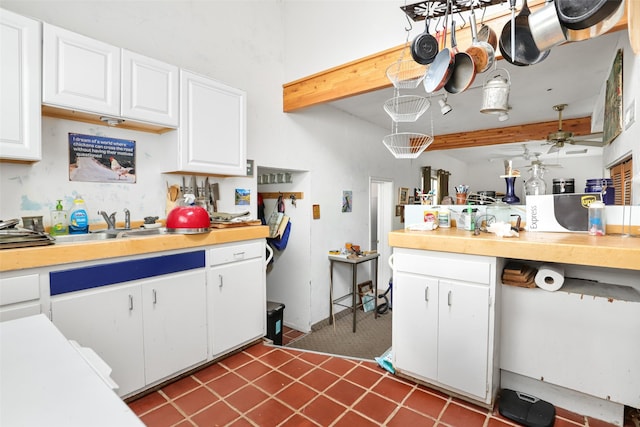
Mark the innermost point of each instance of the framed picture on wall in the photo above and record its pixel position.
(403, 196)
(612, 126)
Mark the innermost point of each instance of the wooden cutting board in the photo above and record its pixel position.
(235, 224)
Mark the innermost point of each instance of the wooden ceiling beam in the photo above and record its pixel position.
(510, 134)
(369, 73)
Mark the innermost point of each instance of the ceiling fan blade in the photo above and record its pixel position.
(583, 151)
(587, 143)
(553, 149)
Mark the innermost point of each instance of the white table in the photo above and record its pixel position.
(44, 381)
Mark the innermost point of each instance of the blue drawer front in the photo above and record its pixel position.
(77, 279)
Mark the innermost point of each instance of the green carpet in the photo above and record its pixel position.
(371, 339)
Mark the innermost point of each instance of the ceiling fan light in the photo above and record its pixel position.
(503, 117)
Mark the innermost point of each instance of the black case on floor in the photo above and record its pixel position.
(525, 409)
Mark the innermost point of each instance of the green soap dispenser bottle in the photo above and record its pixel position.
(59, 224)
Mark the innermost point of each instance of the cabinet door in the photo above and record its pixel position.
(415, 324)
(80, 73)
(20, 53)
(175, 323)
(108, 320)
(149, 89)
(212, 135)
(237, 297)
(463, 337)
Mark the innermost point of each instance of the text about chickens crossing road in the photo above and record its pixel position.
(104, 159)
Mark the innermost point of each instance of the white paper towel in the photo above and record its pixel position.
(550, 277)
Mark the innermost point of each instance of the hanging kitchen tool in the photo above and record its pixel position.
(486, 33)
(516, 42)
(464, 70)
(546, 28)
(495, 93)
(440, 69)
(589, 18)
(482, 53)
(424, 47)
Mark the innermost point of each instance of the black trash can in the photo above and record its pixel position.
(275, 313)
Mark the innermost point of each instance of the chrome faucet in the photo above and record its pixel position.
(110, 219)
(127, 219)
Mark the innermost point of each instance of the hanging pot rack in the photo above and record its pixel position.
(436, 8)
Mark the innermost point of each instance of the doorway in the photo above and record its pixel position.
(381, 208)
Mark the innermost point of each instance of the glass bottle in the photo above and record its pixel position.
(535, 185)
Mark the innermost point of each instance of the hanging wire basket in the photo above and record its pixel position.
(406, 108)
(407, 145)
(407, 74)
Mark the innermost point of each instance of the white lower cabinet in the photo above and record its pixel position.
(237, 295)
(146, 330)
(19, 295)
(444, 326)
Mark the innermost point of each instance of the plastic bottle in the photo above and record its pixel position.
(596, 219)
(59, 224)
(444, 217)
(78, 217)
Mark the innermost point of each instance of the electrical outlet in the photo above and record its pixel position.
(630, 115)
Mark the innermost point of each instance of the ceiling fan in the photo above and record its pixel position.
(559, 138)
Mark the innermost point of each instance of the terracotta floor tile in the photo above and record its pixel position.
(269, 413)
(458, 415)
(375, 407)
(147, 403)
(165, 415)
(180, 387)
(319, 379)
(246, 398)
(273, 382)
(571, 416)
(253, 370)
(296, 368)
(258, 350)
(406, 417)
(425, 403)
(298, 420)
(218, 414)
(276, 358)
(561, 422)
(322, 410)
(393, 389)
(184, 423)
(236, 360)
(210, 372)
(313, 358)
(363, 376)
(338, 365)
(345, 392)
(226, 384)
(296, 395)
(498, 422)
(593, 422)
(352, 419)
(195, 400)
(240, 422)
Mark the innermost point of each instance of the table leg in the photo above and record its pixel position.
(354, 269)
(375, 292)
(330, 292)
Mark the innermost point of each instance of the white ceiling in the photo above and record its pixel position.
(572, 74)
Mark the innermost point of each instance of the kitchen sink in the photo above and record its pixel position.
(117, 233)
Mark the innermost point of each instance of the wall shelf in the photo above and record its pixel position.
(285, 195)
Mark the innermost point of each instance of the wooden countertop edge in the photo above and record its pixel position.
(42, 256)
(569, 248)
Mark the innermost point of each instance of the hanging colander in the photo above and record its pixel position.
(406, 108)
(407, 145)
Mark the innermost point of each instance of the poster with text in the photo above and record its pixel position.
(101, 159)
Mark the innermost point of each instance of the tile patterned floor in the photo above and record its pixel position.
(271, 386)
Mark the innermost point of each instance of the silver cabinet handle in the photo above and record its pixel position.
(221, 283)
(155, 296)
(426, 293)
(130, 302)
(238, 254)
(449, 298)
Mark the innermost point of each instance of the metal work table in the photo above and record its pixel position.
(354, 285)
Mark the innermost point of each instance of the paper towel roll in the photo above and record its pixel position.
(550, 277)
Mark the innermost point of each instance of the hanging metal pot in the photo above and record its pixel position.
(546, 29)
(464, 70)
(424, 47)
(482, 53)
(495, 93)
(591, 19)
(516, 42)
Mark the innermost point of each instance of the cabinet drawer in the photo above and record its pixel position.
(468, 268)
(19, 289)
(236, 252)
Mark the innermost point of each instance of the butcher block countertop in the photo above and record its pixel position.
(613, 251)
(41, 256)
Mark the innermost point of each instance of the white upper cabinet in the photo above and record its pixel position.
(80, 73)
(87, 75)
(20, 53)
(212, 133)
(149, 89)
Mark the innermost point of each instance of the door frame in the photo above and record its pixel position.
(385, 209)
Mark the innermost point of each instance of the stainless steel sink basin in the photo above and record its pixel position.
(117, 233)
